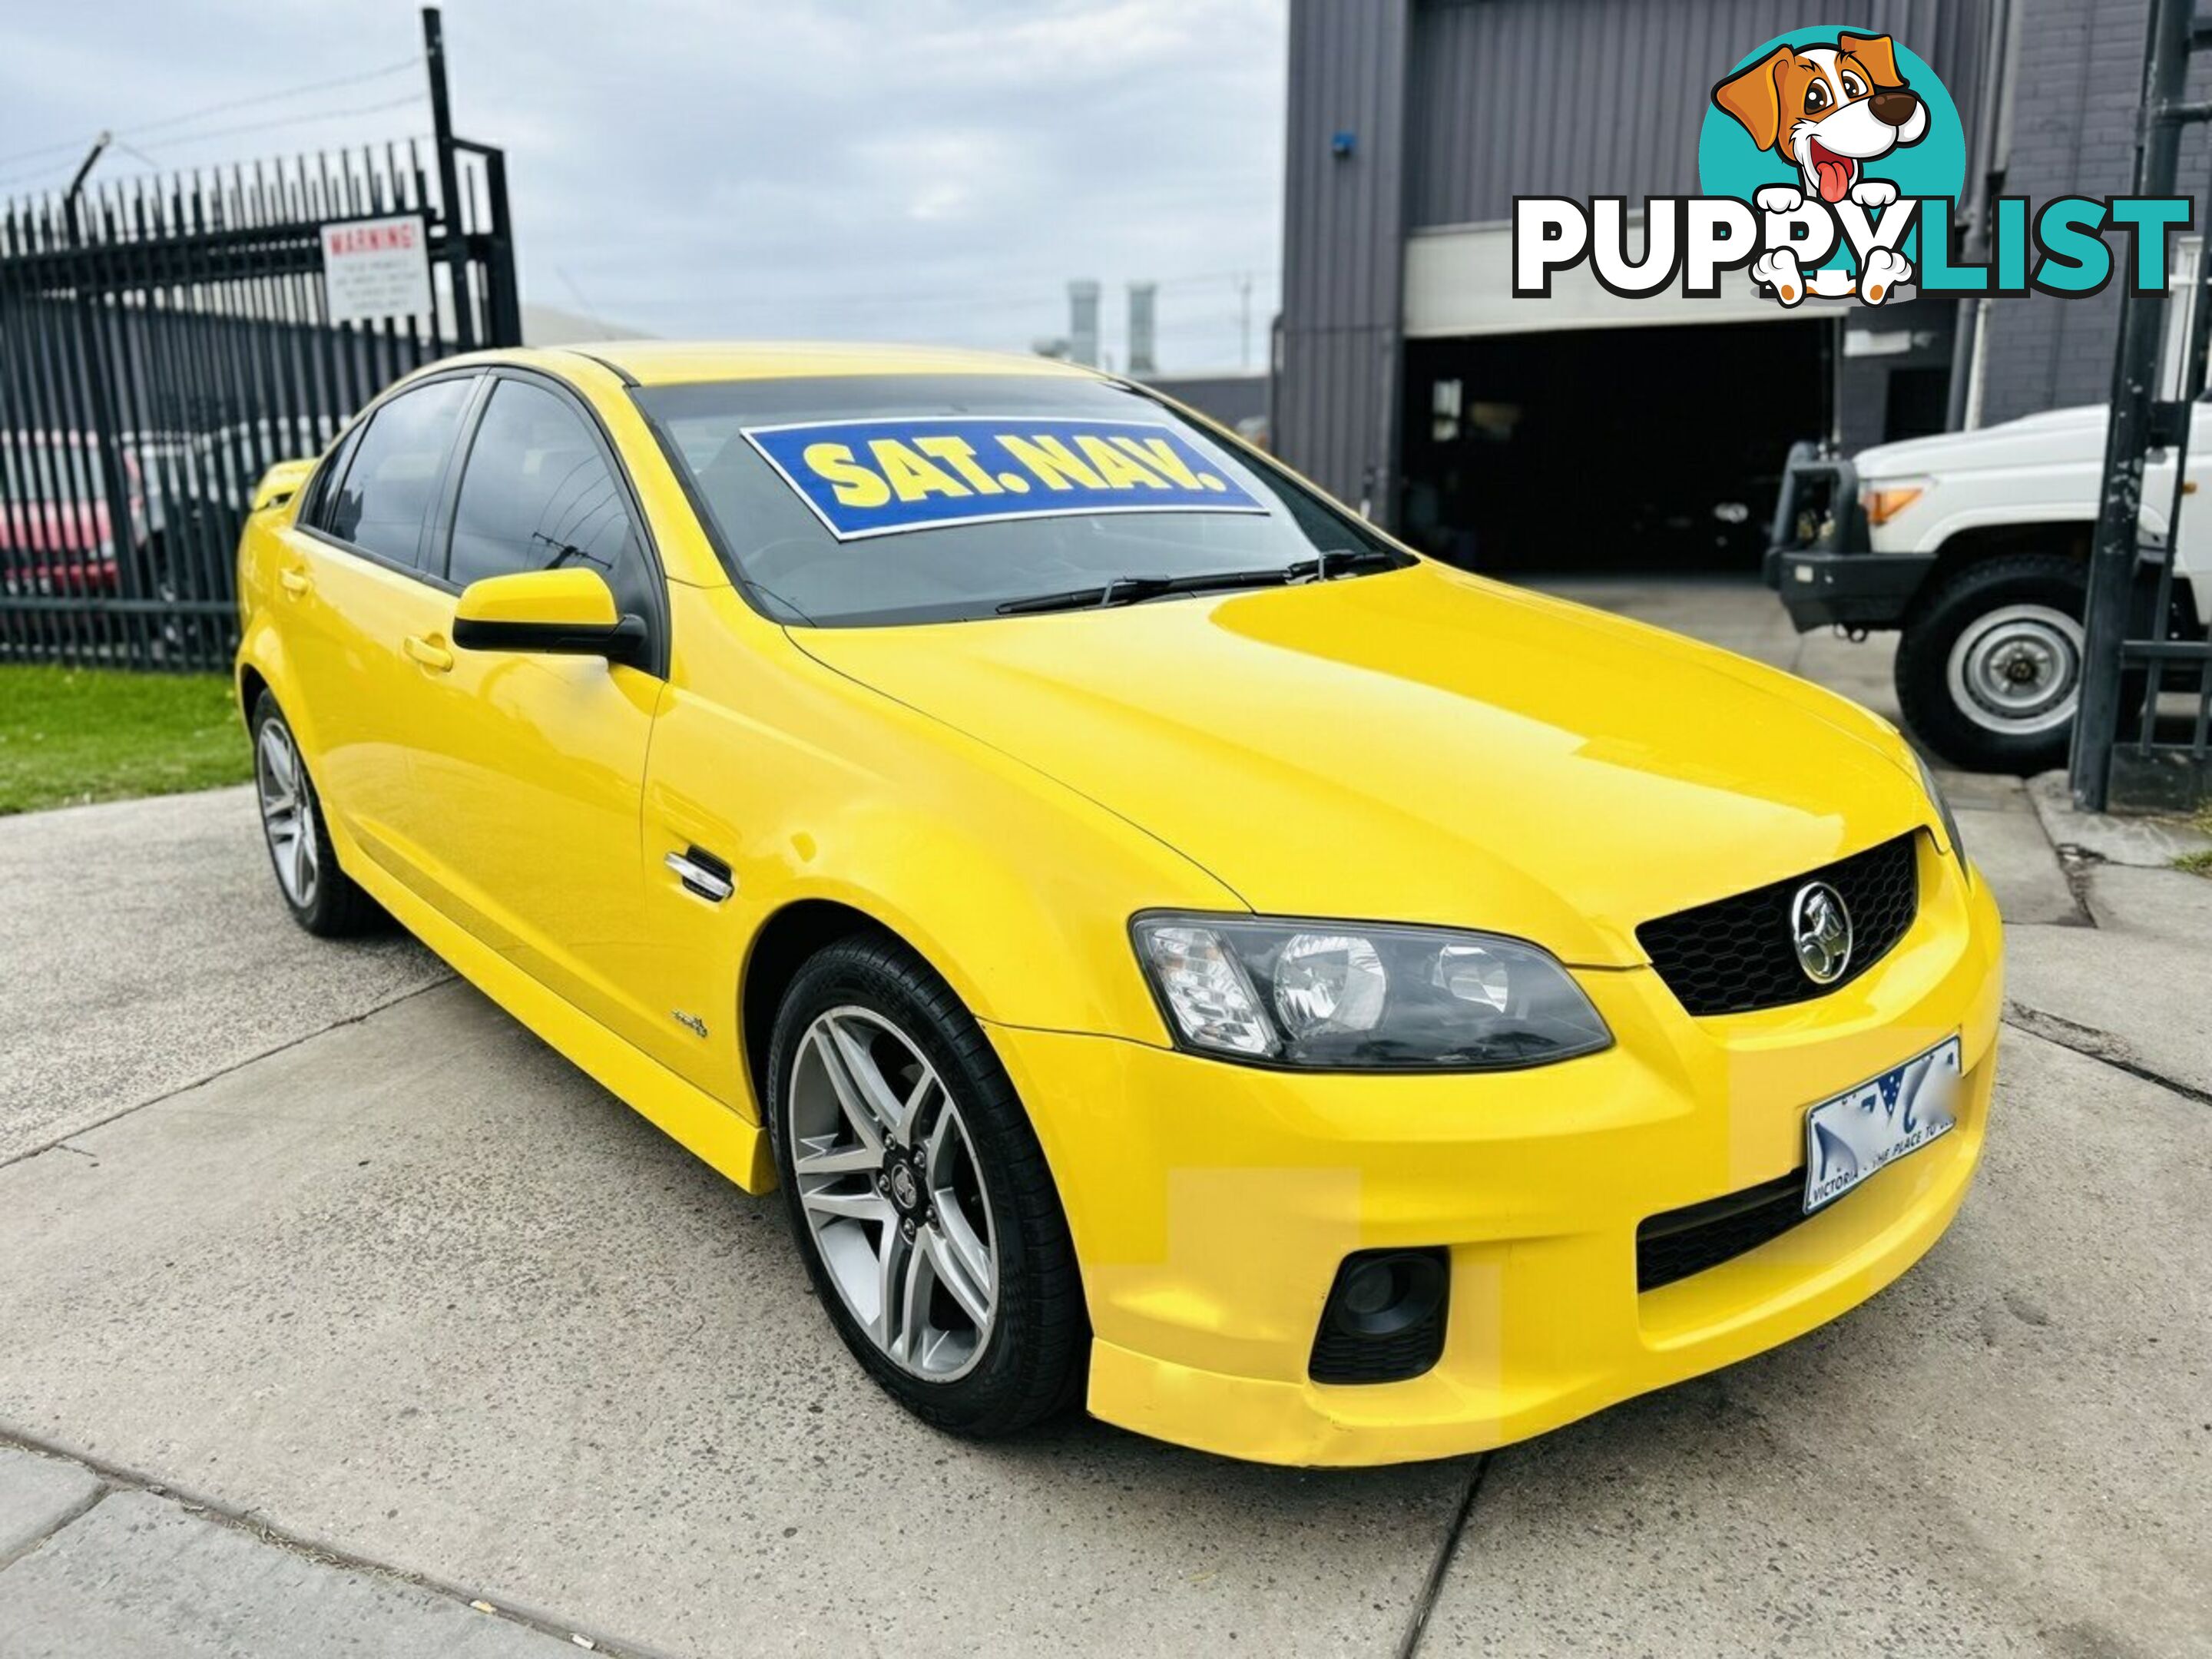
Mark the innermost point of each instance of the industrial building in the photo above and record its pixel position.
(1589, 432)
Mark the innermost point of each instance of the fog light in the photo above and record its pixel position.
(1370, 1290)
(1384, 1320)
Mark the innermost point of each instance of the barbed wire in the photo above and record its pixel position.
(186, 140)
(140, 129)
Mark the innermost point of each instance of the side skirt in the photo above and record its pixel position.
(685, 1114)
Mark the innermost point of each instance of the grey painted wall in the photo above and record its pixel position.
(2078, 83)
(1605, 97)
(1336, 387)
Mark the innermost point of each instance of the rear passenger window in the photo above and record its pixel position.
(382, 503)
(323, 503)
(537, 495)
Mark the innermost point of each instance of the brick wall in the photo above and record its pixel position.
(2077, 86)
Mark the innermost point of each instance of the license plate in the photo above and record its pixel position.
(1886, 1118)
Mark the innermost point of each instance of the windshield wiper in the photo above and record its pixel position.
(1325, 566)
(1122, 590)
(1332, 563)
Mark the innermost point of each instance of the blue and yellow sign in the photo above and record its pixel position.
(875, 478)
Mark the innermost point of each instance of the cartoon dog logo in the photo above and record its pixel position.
(1830, 109)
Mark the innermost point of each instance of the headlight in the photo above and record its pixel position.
(1957, 848)
(1346, 996)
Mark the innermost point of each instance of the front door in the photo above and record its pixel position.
(529, 768)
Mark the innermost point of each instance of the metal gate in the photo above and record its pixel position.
(164, 340)
(2144, 737)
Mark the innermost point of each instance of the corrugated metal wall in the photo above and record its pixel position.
(1605, 97)
(1344, 240)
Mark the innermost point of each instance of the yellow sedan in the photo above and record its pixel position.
(1177, 949)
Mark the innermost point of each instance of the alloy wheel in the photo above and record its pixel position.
(893, 1194)
(286, 816)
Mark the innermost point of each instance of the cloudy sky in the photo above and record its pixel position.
(903, 169)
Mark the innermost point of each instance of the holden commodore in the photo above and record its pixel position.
(1177, 949)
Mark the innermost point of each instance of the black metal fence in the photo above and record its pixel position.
(2144, 734)
(165, 340)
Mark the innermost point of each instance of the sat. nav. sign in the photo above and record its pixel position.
(376, 269)
(873, 477)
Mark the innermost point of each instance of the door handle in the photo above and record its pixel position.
(294, 582)
(703, 875)
(427, 652)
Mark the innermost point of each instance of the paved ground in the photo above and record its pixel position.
(403, 1338)
(143, 954)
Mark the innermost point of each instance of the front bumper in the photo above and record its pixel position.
(1820, 559)
(1211, 1204)
(1850, 589)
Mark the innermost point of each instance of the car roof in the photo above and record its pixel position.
(676, 362)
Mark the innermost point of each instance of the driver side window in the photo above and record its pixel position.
(537, 495)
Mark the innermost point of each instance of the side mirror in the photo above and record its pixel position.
(281, 482)
(567, 613)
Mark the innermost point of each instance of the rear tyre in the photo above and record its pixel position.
(919, 1195)
(1988, 665)
(322, 898)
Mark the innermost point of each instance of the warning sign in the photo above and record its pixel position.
(373, 269)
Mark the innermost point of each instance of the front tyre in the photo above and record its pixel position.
(1989, 667)
(322, 898)
(918, 1194)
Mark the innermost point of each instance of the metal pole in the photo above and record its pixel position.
(1274, 445)
(92, 157)
(449, 178)
(1967, 316)
(114, 481)
(1965, 329)
(501, 299)
(1832, 389)
(2135, 384)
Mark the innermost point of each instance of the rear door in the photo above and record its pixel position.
(361, 613)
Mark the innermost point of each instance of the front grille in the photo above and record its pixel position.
(1737, 954)
(1688, 1241)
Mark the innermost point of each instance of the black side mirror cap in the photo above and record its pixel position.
(624, 641)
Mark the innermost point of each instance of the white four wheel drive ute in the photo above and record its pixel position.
(1975, 546)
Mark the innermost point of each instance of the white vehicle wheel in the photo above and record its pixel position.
(1989, 667)
(2017, 671)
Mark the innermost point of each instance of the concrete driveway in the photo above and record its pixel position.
(142, 954)
(341, 1316)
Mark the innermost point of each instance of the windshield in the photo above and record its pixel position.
(868, 501)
